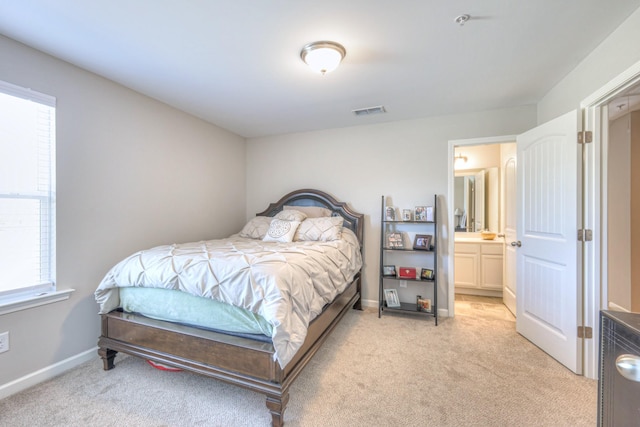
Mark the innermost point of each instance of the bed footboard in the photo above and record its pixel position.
(235, 360)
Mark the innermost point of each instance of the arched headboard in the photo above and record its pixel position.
(309, 197)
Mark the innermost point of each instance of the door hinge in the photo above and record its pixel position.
(585, 137)
(585, 332)
(585, 235)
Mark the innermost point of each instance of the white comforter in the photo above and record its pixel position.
(286, 283)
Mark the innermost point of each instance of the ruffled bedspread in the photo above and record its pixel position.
(286, 283)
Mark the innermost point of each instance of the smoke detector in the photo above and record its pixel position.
(462, 19)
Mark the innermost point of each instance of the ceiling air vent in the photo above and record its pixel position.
(371, 110)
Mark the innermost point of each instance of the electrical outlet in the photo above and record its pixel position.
(403, 283)
(4, 342)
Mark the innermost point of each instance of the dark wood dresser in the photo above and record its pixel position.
(619, 366)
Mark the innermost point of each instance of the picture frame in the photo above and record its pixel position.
(407, 215)
(390, 213)
(395, 241)
(420, 213)
(426, 274)
(429, 214)
(389, 271)
(422, 242)
(391, 298)
(424, 304)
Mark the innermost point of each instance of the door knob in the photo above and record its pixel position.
(628, 365)
(518, 243)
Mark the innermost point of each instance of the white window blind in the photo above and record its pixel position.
(27, 192)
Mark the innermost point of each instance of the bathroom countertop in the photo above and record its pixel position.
(470, 239)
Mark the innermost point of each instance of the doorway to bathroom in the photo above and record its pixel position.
(484, 185)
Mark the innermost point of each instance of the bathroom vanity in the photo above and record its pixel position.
(478, 265)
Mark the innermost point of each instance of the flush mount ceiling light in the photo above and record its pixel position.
(324, 56)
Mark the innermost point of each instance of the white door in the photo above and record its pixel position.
(547, 288)
(510, 203)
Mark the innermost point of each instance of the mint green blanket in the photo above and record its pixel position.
(176, 306)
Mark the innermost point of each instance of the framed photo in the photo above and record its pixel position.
(424, 304)
(391, 298)
(395, 241)
(390, 213)
(389, 271)
(407, 215)
(426, 274)
(422, 242)
(420, 213)
(429, 214)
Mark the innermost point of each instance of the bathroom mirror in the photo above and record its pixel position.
(476, 200)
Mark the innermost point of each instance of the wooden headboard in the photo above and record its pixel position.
(308, 197)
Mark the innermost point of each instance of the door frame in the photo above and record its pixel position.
(594, 212)
(450, 208)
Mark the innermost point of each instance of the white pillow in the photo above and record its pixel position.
(256, 228)
(291, 215)
(320, 229)
(311, 211)
(281, 230)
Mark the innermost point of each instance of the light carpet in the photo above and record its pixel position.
(400, 370)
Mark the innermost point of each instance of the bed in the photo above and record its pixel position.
(263, 365)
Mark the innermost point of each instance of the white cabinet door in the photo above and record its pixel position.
(466, 265)
(491, 266)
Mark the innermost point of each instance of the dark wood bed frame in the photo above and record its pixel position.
(240, 361)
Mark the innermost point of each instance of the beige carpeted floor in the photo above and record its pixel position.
(474, 370)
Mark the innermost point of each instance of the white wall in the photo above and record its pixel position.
(619, 213)
(405, 160)
(617, 53)
(635, 210)
(132, 173)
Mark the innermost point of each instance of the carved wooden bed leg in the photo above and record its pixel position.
(277, 405)
(107, 357)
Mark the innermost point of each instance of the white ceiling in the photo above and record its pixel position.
(236, 63)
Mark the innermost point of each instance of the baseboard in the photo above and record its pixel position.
(615, 307)
(478, 292)
(47, 373)
(369, 303)
(443, 312)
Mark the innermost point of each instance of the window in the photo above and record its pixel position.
(27, 193)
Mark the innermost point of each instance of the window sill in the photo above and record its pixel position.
(25, 303)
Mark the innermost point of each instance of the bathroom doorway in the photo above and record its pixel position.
(484, 200)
